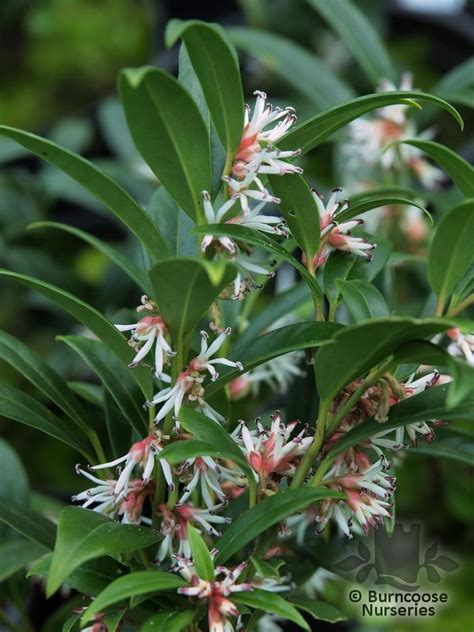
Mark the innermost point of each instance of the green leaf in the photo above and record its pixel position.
(456, 81)
(276, 343)
(240, 233)
(16, 554)
(90, 579)
(300, 210)
(124, 263)
(460, 171)
(431, 404)
(369, 270)
(13, 477)
(16, 405)
(315, 130)
(358, 34)
(115, 377)
(200, 553)
(140, 583)
(319, 610)
(93, 320)
(270, 602)
(217, 69)
(363, 300)
(84, 535)
(298, 67)
(455, 446)
(371, 202)
(249, 524)
(27, 522)
(337, 267)
(358, 348)
(170, 133)
(68, 625)
(117, 200)
(175, 225)
(180, 451)
(184, 288)
(280, 305)
(168, 621)
(451, 252)
(41, 375)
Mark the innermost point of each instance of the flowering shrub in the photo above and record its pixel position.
(190, 512)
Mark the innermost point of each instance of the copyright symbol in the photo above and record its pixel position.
(355, 596)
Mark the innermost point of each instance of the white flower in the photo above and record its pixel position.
(103, 499)
(208, 475)
(216, 592)
(317, 582)
(142, 453)
(174, 527)
(189, 383)
(149, 331)
(461, 345)
(277, 374)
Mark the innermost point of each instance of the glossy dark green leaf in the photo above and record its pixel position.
(358, 348)
(41, 375)
(84, 535)
(215, 64)
(93, 320)
(16, 554)
(296, 66)
(117, 200)
(249, 524)
(270, 602)
(175, 225)
(200, 554)
(300, 210)
(168, 621)
(276, 343)
(363, 300)
(319, 610)
(27, 522)
(184, 288)
(90, 578)
(454, 446)
(369, 270)
(124, 263)
(17, 405)
(115, 377)
(360, 37)
(451, 252)
(240, 233)
(280, 305)
(140, 583)
(460, 171)
(372, 202)
(317, 129)
(170, 133)
(431, 404)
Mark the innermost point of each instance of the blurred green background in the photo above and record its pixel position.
(58, 64)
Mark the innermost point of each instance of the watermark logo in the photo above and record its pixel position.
(396, 561)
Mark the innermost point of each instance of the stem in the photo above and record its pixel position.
(460, 307)
(332, 311)
(97, 445)
(440, 306)
(313, 450)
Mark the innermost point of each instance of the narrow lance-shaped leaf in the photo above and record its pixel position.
(360, 37)
(124, 263)
(276, 343)
(93, 320)
(358, 348)
(184, 288)
(319, 128)
(41, 375)
(139, 583)
(451, 252)
(84, 535)
(270, 602)
(117, 200)
(215, 64)
(363, 300)
(460, 171)
(300, 210)
(27, 522)
(171, 621)
(169, 132)
(16, 554)
(267, 513)
(200, 554)
(298, 67)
